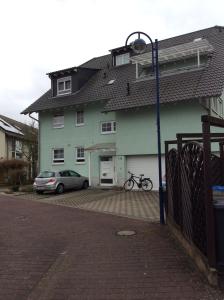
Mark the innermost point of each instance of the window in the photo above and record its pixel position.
(122, 59)
(74, 174)
(80, 155)
(80, 118)
(46, 174)
(64, 86)
(108, 127)
(58, 121)
(16, 151)
(64, 174)
(58, 156)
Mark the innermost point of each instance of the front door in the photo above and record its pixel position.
(106, 170)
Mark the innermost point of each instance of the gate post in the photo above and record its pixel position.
(179, 180)
(209, 210)
(221, 150)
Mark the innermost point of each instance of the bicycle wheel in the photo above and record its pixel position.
(128, 185)
(147, 184)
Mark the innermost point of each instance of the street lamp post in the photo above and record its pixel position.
(139, 46)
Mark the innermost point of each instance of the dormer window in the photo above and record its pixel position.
(122, 59)
(64, 85)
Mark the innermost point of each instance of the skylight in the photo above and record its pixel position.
(111, 81)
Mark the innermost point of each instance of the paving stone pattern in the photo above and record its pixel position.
(50, 252)
(139, 205)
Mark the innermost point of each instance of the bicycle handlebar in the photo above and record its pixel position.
(141, 175)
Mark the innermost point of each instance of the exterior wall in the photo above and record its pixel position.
(72, 136)
(2, 145)
(136, 135)
(217, 106)
(137, 130)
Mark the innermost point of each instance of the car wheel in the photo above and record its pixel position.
(85, 185)
(60, 189)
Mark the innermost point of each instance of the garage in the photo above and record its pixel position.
(147, 165)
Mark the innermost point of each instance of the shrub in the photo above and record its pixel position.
(12, 164)
(14, 170)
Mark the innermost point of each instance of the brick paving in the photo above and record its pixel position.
(138, 205)
(50, 252)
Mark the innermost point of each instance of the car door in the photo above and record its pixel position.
(77, 180)
(65, 179)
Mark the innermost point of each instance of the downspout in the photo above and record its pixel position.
(38, 139)
(89, 168)
(33, 118)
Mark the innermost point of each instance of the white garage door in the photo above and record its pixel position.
(147, 165)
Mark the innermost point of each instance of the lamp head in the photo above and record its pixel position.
(139, 46)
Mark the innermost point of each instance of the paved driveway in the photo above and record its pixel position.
(51, 252)
(138, 205)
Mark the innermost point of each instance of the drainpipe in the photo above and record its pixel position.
(89, 168)
(38, 139)
(33, 118)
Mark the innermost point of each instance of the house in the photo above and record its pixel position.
(100, 118)
(16, 141)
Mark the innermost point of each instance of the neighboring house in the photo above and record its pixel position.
(100, 118)
(16, 139)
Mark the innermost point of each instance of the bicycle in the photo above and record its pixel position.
(144, 183)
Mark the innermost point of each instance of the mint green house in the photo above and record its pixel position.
(99, 119)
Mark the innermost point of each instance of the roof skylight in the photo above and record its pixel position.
(111, 81)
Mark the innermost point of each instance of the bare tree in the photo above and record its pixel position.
(30, 148)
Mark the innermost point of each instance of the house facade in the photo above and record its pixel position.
(99, 119)
(16, 141)
(11, 139)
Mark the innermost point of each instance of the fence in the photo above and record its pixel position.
(191, 171)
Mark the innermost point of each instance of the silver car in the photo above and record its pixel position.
(59, 181)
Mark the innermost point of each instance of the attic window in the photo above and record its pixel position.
(64, 85)
(111, 81)
(122, 59)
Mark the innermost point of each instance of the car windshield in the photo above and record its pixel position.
(46, 174)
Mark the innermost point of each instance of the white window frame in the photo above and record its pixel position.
(77, 119)
(58, 161)
(58, 121)
(64, 91)
(80, 159)
(113, 127)
(122, 59)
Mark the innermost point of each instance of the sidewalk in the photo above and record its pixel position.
(50, 252)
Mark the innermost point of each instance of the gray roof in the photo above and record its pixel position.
(13, 127)
(191, 84)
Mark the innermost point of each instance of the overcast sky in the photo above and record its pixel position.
(39, 36)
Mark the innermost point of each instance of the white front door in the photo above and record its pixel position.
(106, 170)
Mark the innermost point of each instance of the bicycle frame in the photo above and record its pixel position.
(139, 183)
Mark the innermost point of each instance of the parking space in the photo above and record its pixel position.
(137, 205)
